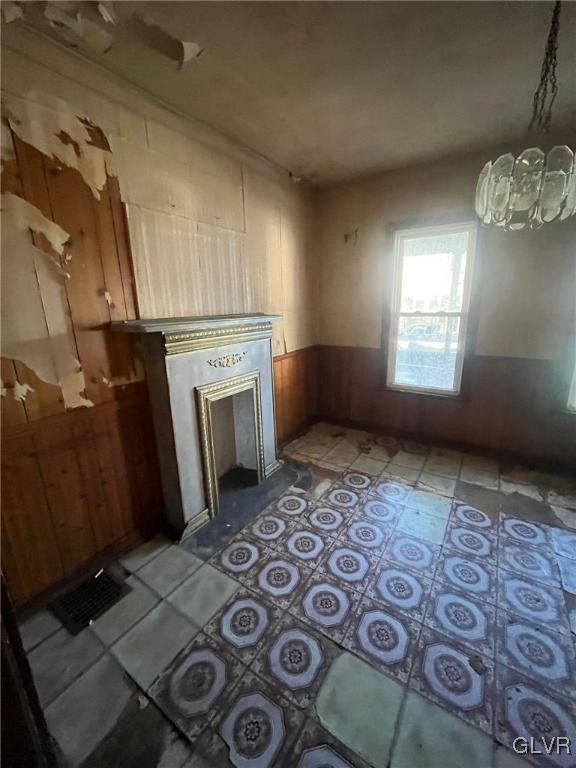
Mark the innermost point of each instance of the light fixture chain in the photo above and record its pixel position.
(545, 94)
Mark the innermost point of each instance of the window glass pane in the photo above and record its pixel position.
(572, 395)
(433, 268)
(426, 352)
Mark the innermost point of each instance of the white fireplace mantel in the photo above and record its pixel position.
(189, 361)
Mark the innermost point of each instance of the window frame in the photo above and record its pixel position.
(571, 400)
(395, 313)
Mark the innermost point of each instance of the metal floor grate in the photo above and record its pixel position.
(87, 601)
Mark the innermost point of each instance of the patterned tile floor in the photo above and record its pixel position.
(379, 617)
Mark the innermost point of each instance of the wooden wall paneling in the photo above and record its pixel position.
(511, 405)
(104, 508)
(45, 399)
(278, 398)
(30, 551)
(72, 204)
(66, 494)
(122, 249)
(13, 411)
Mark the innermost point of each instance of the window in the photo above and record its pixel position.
(431, 296)
(572, 395)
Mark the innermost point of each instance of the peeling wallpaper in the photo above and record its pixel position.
(211, 231)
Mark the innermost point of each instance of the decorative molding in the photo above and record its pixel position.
(180, 343)
(195, 523)
(207, 394)
(274, 466)
(227, 361)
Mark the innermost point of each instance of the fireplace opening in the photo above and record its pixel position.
(233, 423)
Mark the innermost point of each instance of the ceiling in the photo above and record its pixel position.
(333, 90)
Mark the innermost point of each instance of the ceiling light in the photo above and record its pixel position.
(534, 188)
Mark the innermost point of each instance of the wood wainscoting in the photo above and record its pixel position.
(76, 487)
(76, 484)
(508, 405)
(295, 392)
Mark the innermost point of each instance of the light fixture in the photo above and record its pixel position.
(534, 188)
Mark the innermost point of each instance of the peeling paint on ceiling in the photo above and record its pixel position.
(332, 90)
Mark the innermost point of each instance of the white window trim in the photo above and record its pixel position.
(396, 314)
(571, 404)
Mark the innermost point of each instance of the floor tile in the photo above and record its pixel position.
(93, 703)
(328, 520)
(531, 562)
(351, 566)
(445, 672)
(532, 491)
(291, 504)
(456, 614)
(243, 624)
(240, 558)
(400, 589)
(370, 537)
(315, 747)
(567, 500)
(567, 568)
(392, 491)
(268, 529)
(436, 484)
(473, 576)
(342, 455)
(443, 465)
(38, 627)
(430, 737)
(473, 517)
(379, 511)
(414, 554)
(126, 612)
(407, 459)
(146, 552)
(61, 658)
(142, 736)
(479, 477)
(325, 605)
(148, 648)
(544, 656)
(304, 545)
(472, 541)
(399, 473)
(258, 724)
(358, 481)
(524, 709)
(296, 659)
(563, 516)
(204, 593)
(278, 578)
(369, 465)
(350, 695)
(477, 461)
(523, 531)
(422, 525)
(563, 542)
(385, 639)
(536, 602)
(169, 569)
(506, 758)
(190, 691)
(430, 503)
(341, 497)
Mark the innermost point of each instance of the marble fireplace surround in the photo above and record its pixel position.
(190, 362)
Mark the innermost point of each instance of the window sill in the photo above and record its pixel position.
(423, 392)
